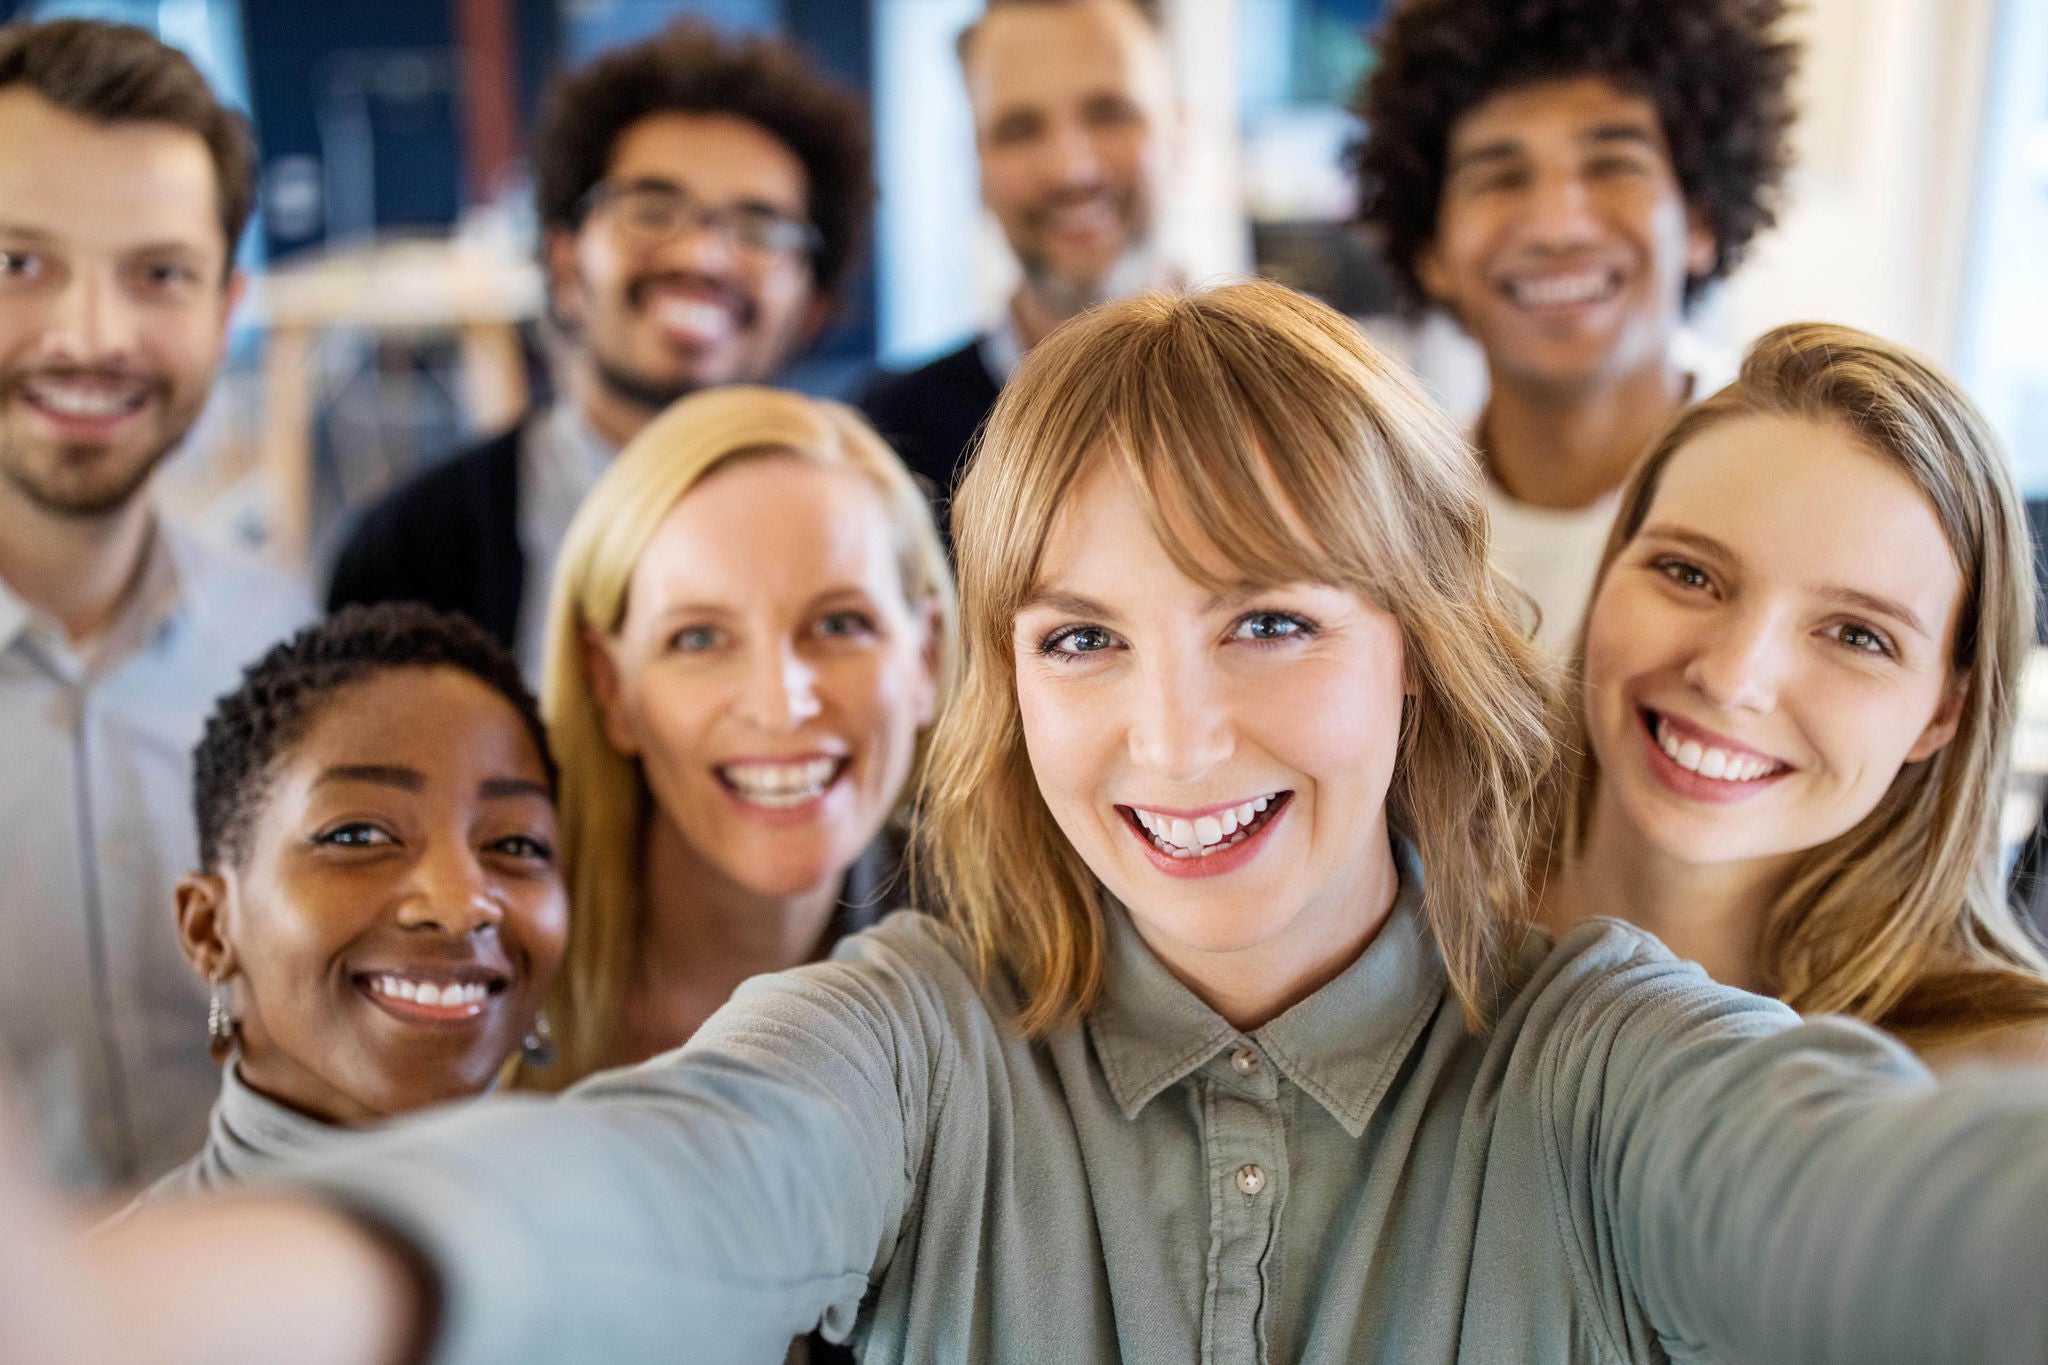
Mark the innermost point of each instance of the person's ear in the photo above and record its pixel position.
(607, 689)
(1430, 274)
(1947, 717)
(565, 279)
(932, 658)
(817, 316)
(1701, 249)
(203, 934)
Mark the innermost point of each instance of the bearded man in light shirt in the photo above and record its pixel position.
(124, 186)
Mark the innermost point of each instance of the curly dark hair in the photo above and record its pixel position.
(284, 692)
(1717, 71)
(688, 68)
(117, 73)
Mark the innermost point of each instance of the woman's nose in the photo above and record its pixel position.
(1740, 665)
(780, 691)
(1182, 728)
(450, 891)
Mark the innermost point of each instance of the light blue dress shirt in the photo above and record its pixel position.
(101, 1020)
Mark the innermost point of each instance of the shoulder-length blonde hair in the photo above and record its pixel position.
(1903, 920)
(1263, 421)
(604, 801)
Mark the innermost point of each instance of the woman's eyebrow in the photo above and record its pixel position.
(497, 788)
(384, 775)
(1067, 603)
(1698, 540)
(1880, 606)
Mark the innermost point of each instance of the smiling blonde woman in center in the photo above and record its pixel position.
(751, 627)
(1304, 1090)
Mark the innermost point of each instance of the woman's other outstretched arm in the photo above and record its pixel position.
(1797, 1196)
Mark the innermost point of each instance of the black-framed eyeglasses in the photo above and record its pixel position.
(654, 213)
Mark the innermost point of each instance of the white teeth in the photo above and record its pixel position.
(430, 993)
(706, 321)
(72, 400)
(779, 785)
(1713, 763)
(1203, 835)
(1558, 290)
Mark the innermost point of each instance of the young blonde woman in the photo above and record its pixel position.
(1800, 676)
(1212, 1068)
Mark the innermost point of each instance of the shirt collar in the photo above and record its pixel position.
(573, 440)
(1002, 347)
(170, 566)
(1342, 1046)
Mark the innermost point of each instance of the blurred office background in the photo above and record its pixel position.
(396, 303)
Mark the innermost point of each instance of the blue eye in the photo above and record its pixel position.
(845, 625)
(695, 639)
(1075, 640)
(1267, 627)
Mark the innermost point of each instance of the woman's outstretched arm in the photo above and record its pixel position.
(245, 1279)
(716, 1202)
(1799, 1196)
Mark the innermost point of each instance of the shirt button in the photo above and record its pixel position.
(1244, 1061)
(1250, 1178)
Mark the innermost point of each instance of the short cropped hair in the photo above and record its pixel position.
(1151, 11)
(1717, 71)
(253, 727)
(688, 68)
(116, 73)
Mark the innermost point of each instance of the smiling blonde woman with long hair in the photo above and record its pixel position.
(753, 590)
(1821, 580)
(1249, 1079)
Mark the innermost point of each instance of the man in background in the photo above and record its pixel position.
(700, 202)
(124, 186)
(1076, 127)
(1567, 178)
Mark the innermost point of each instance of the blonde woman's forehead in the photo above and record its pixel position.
(771, 528)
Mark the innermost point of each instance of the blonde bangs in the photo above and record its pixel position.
(1260, 428)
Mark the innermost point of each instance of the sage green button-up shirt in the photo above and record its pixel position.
(1635, 1165)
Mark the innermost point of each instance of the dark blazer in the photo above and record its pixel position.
(932, 414)
(449, 537)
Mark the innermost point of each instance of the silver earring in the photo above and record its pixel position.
(537, 1048)
(220, 1023)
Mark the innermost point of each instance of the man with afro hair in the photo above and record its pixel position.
(1566, 178)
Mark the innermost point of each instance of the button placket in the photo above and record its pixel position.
(1248, 1153)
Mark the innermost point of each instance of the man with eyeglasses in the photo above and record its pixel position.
(1076, 126)
(700, 200)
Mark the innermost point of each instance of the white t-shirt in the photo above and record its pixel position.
(1552, 555)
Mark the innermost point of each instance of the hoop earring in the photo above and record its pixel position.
(537, 1048)
(222, 1029)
